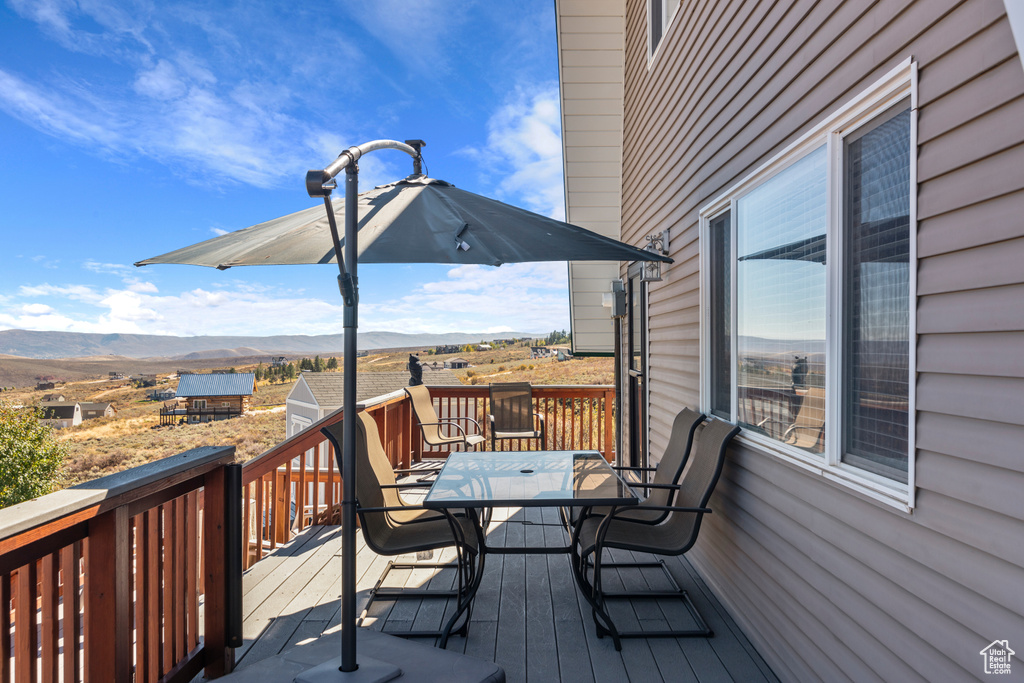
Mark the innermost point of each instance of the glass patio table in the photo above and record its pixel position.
(475, 480)
(486, 479)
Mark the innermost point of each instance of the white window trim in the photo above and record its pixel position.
(652, 55)
(299, 422)
(895, 86)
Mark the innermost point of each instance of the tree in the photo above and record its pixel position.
(332, 363)
(289, 371)
(318, 365)
(30, 456)
(259, 372)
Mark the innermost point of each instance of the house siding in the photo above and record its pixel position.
(829, 584)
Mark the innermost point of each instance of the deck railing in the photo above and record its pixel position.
(297, 483)
(137, 576)
(104, 581)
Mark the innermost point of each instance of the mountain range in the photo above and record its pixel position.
(36, 344)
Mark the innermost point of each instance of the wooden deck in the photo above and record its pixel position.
(528, 617)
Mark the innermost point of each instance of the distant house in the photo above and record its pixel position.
(145, 380)
(51, 398)
(91, 411)
(278, 361)
(540, 351)
(215, 397)
(484, 347)
(162, 394)
(447, 348)
(456, 363)
(61, 415)
(43, 386)
(318, 394)
(115, 374)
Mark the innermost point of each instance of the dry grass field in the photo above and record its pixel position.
(133, 436)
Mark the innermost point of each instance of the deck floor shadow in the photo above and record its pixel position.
(528, 616)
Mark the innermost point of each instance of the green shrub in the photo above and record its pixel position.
(30, 456)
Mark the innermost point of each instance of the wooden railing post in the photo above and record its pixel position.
(220, 659)
(108, 612)
(609, 426)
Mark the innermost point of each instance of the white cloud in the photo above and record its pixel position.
(418, 33)
(118, 269)
(36, 309)
(244, 124)
(528, 297)
(524, 140)
(522, 297)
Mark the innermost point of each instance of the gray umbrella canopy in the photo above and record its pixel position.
(416, 220)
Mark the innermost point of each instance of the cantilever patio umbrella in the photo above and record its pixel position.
(415, 220)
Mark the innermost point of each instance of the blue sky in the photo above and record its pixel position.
(130, 129)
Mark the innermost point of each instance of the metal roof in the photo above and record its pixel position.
(233, 384)
(327, 387)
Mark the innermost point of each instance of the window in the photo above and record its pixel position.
(808, 296)
(199, 403)
(659, 15)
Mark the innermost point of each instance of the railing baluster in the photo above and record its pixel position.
(5, 628)
(180, 630)
(260, 514)
(300, 503)
(192, 568)
(70, 559)
(25, 640)
(152, 594)
(247, 527)
(140, 538)
(329, 492)
(167, 569)
(317, 452)
(50, 618)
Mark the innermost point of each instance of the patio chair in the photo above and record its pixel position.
(511, 414)
(661, 489)
(391, 526)
(593, 536)
(430, 424)
(807, 431)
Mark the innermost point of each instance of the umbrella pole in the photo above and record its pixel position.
(348, 504)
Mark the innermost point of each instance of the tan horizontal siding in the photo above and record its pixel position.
(828, 583)
(990, 221)
(993, 309)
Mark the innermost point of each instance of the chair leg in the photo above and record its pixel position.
(603, 620)
(379, 591)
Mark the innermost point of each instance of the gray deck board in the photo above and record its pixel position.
(528, 616)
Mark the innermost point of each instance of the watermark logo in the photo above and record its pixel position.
(997, 657)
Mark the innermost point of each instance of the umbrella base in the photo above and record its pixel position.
(416, 661)
(370, 670)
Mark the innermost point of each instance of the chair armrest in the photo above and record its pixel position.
(418, 470)
(392, 508)
(634, 469)
(410, 485)
(468, 419)
(666, 508)
(673, 487)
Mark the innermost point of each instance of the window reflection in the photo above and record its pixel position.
(780, 295)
